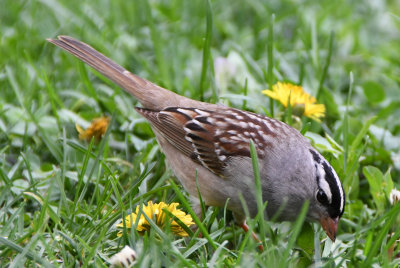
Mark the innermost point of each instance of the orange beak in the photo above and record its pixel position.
(330, 226)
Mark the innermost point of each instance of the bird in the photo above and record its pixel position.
(207, 147)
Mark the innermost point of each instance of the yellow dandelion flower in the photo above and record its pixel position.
(156, 213)
(301, 102)
(96, 129)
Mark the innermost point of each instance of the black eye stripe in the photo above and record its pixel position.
(334, 208)
(316, 156)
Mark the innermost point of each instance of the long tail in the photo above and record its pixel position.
(149, 95)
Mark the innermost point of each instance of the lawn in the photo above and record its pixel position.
(61, 197)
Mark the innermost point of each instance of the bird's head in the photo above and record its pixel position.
(328, 201)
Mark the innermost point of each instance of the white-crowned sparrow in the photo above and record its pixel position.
(212, 142)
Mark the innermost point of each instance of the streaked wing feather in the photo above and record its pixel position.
(212, 137)
(171, 128)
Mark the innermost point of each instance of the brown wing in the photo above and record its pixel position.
(170, 127)
(212, 137)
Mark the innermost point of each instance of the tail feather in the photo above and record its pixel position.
(149, 95)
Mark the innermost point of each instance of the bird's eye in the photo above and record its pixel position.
(322, 198)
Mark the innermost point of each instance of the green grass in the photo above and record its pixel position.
(60, 197)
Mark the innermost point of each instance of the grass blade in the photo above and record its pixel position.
(206, 51)
(258, 190)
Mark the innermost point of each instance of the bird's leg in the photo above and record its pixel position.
(241, 221)
(245, 227)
